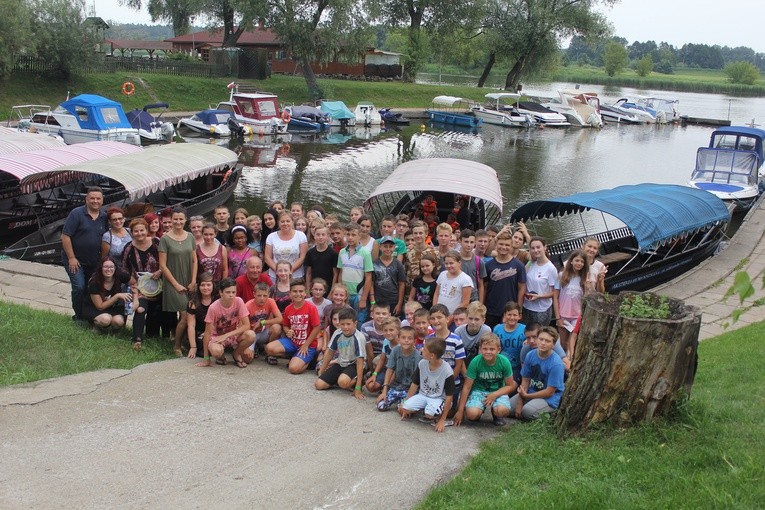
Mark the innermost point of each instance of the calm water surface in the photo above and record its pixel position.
(534, 164)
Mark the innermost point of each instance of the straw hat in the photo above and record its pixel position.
(148, 286)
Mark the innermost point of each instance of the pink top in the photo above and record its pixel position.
(570, 299)
(225, 320)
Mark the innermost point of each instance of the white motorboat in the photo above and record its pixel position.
(339, 114)
(215, 123)
(542, 115)
(500, 113)
(666, 109)
(366, 114)
(581, 108)
(84, 118)
(731, 166)
(633, 107)
(613, 114)
(151, 129)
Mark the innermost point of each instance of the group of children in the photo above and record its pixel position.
(476, 310)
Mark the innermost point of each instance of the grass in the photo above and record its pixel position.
(708, 456)
(38, 345)
(190, 94)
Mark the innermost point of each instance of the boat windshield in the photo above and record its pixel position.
(726, 166)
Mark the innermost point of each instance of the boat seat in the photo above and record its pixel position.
(617, 256)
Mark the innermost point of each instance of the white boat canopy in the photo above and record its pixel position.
(502, 95)
(449, 100)
(448, 175)
(24, 165)
(13, 141)
(157, 168)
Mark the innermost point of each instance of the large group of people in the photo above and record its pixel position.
(427, 316)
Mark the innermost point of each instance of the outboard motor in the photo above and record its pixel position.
(235, 128)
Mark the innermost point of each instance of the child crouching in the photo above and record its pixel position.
(350, 345)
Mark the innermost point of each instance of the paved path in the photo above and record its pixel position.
(170, 434)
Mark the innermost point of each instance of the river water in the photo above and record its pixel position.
(532, 164)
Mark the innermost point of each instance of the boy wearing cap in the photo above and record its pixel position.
(389, 278)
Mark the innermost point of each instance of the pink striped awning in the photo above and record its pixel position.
(13, 141)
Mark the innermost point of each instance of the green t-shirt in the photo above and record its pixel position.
(489, 378)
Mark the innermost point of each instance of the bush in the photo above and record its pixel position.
(644, 66)
(742, 72)
(664, 67)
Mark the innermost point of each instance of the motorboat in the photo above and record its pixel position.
(259, 111)
(650, 109)
(649, 233)
(367, 115)
(84, 118)
(731, 166)
(339, 114)
(13, 141)
(453, 111)
(307, 119)
(393, 118)
(531, 105)
(194, 176)
(54, 194)
(215, 124)
(151, 129)
(498, 112)
(620, 116)
(448, 180)
(580, 108)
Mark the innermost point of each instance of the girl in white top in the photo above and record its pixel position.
(541, 277)
(453, 287)
(286, 244)
(598, 270)
(365, 239)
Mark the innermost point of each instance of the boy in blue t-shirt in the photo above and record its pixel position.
(542, 379)
(512, 334)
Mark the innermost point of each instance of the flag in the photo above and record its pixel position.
(231, 85)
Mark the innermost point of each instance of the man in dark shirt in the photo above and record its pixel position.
(81, 242)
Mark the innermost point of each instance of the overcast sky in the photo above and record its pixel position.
(724, 22)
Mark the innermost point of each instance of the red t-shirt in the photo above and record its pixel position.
(302, 321)
(259, 313)
(246, 290)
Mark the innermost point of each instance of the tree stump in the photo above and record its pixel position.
(628, 370)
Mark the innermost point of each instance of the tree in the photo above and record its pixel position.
(614, 58)
(644, 66)
(15, 36)
(526, 32)
(640, 49)
(177, 12)
(317, 30)
(61, 36)
(742, 72)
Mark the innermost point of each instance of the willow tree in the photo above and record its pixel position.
(176, 12)
(318, 31)
(526, 32)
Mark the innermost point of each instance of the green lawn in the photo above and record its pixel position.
(709, 456)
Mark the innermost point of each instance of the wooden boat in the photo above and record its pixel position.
(731, 166)
(54, 194)
(656, 231)
(453, 110)
(448, 180)
(195, 176)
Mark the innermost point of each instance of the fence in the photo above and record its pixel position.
(24, 64)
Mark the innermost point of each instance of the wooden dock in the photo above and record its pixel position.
(700, 121)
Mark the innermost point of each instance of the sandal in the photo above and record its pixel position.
(272, 360)
(221, 360)
(137, 345)
(178, 352)
(240, 363)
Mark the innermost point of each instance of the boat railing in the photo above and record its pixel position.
(569, 245)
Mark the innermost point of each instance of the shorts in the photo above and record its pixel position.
(261, 339)
(232, 341)
(333, 373)
(475, 399)
(542, 318)
(292, 350)
(393, 397)
(432, 406)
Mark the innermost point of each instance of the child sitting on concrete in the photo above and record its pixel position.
(348, 367)
(401, 366)
(432, 386)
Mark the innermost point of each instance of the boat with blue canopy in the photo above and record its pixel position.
(151, 129)
(85, 118)
(339, 113)
(649, 233)
(454, 111)
(731, 167)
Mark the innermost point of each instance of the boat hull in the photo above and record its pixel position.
(498, 118)
(456, 119)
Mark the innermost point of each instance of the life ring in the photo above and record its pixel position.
(285, 149)
(128, 88)
(286, 116)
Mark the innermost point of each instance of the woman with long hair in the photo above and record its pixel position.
(286, 244)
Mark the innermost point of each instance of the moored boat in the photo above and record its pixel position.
(390, 117)
(307, 119)
(151, 129)
(498, 112)
(47, 194)
(195, 176)
(259, 111)
(448, 180)
(454, 111)
(13, 141)
(613, 114)
(339, 114)
(84, 118)
(215, 124)
(366, 114)
(731, 166)
(649, 233)
(580, 108)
